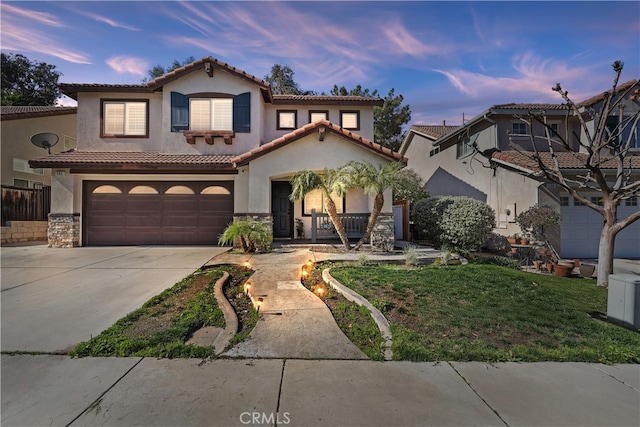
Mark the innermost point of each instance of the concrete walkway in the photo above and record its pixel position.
(294, 323)
(59, 391)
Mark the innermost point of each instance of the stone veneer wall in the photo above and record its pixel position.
(383, 234)
(24, 231)
(64, 230)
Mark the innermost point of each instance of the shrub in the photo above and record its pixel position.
(427, 214)
(456, 222)
(252, 235)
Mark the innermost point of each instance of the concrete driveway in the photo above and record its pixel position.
(52, 299)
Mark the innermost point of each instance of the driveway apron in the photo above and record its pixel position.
(294, 323)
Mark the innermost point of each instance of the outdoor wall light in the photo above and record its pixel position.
(260, 301)
(246, 264)
(247, 287)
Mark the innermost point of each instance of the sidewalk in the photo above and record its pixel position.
(57, 390)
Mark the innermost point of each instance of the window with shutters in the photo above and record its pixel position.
(124, 118)
(211, 112)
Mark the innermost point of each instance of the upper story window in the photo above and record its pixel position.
(350, 120)
(631, 201)
(287, 119)
(465, 145)
(213, 111)
(614, 126)
(564, 200)
(315, 116)
(555, 128)
(125, 118)
(519, 128)
(211, 114)
(22, 165)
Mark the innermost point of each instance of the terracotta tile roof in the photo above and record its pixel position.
(327, 99)
(566, 160)
(199, 64)
(90, 160)
(245, 158)
(600, 96)
(27, 112)
(72, 89)
(529, 106)
(434, 131)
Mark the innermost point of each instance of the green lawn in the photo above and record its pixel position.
(162, 325)
(490, 313)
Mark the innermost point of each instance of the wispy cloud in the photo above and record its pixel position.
(533, 77)
(34, 17)
(20, 34)
(108, 21)
(128, 65)
(322, 50)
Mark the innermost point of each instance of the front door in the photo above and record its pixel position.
(282, 209)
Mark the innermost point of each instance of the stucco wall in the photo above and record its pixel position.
(221, 82)
(89, 122)
(470, 175)
(16, 143)
(307, 153)
(271, 131)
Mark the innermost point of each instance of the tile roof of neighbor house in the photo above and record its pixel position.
(93, 160)
(434, 131)
(566, 160)
(245, 158)
(327, 99)
(529, 106)
(599, 97)
(10, 112)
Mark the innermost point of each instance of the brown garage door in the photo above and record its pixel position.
(156, 213)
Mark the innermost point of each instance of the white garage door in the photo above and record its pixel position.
(581, 228)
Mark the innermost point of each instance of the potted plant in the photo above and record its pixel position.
(299, 228)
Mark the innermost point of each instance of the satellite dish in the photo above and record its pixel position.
(45, 140)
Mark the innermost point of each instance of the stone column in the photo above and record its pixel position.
(64, 230)
(383, 234)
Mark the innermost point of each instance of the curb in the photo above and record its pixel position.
(378, 317)
(230, 317)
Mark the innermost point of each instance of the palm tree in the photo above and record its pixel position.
(330, 181)
(374, 182)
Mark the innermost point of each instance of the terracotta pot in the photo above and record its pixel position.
(550, 267)
(538, 264)
(524, 241)
(511, 240)
(563, 270)
(587, 270)
(576, 262)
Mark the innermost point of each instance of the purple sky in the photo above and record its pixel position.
(446, 58)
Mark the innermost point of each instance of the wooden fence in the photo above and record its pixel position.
(25, 204)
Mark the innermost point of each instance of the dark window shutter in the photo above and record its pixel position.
(179, 112)
(242, 113)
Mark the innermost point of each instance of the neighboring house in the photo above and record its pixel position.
(465, 162)
(19, 124)
(174, 160)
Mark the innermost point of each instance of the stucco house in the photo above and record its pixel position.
(19, 124)
(465, 162)
(174, 160)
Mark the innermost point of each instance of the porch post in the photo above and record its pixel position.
(314, 226)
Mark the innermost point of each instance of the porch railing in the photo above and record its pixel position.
(354, 225)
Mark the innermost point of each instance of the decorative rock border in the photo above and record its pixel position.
(378, 317)
(230, 317)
